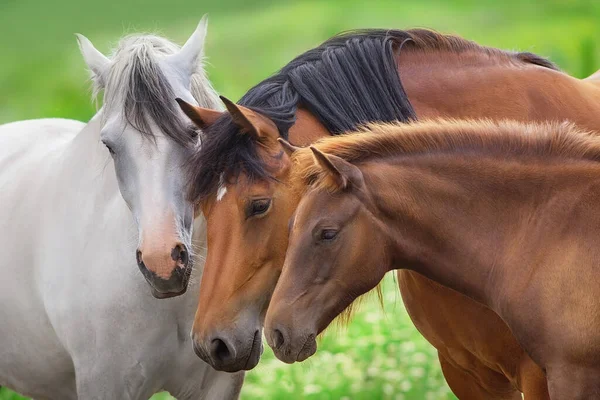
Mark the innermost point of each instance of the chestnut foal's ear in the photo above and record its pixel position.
(287, 146)
(260, 127)
(344, 173)
(202, 117)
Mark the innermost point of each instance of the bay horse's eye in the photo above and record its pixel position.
(258, 207)
(328, 234)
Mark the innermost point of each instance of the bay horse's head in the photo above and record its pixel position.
(240, 177)
(149, 139)
(247, 205)
(335, 254)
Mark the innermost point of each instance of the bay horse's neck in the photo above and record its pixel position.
(477, 85)
(467, 222)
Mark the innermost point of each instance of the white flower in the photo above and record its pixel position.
(417, 372)
(405, 386)
(312, 389)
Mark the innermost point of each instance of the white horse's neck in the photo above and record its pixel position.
(71, 281)
(86, 165)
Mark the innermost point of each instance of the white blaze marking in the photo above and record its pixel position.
(222, 188)
(221, 192)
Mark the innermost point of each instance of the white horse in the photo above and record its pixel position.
(76, 318)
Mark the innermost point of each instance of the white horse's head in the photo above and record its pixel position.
(149, 139)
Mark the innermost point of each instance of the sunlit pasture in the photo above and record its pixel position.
(380, 355)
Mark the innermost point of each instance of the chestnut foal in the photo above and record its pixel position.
(505, 213)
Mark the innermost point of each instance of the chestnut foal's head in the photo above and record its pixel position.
(333, 243)
(247, 226)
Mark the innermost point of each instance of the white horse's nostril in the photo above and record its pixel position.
(180, 255)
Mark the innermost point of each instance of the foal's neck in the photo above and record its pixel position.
(465, 222)
(475, 85)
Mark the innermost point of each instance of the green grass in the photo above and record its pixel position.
(380, 355)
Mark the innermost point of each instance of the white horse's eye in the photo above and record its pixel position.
(193, 131)
(110, 149)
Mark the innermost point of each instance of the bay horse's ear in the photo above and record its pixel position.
(344, 173)
(287, 146)
(250, 122)
(201, 117)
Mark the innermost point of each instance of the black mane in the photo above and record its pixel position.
(348, 81)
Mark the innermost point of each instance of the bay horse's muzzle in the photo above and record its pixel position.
(168, 276)
(228, 354)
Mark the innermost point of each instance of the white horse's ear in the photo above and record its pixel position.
(97, 62)
(186, 59)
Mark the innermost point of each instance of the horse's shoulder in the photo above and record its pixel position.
(38, 129)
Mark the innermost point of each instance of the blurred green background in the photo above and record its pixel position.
(42, 74)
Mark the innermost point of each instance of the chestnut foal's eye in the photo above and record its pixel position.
(258, 207)
(328, 234)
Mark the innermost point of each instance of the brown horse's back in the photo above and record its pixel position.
(477, 351)
(595, 77)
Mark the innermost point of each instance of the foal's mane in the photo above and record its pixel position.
(137, 86)
(506, 139)
(348, 81)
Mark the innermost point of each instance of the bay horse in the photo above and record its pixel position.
(239, 177)
(505, 213)
(77, 321)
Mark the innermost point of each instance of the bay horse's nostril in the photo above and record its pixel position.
(180, 255)
(219, 351)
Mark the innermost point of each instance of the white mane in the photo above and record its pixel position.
(146, 50)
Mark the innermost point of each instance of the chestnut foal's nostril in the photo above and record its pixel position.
(180, 255)
(278, 338)
(138, 257)
(219, 350)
